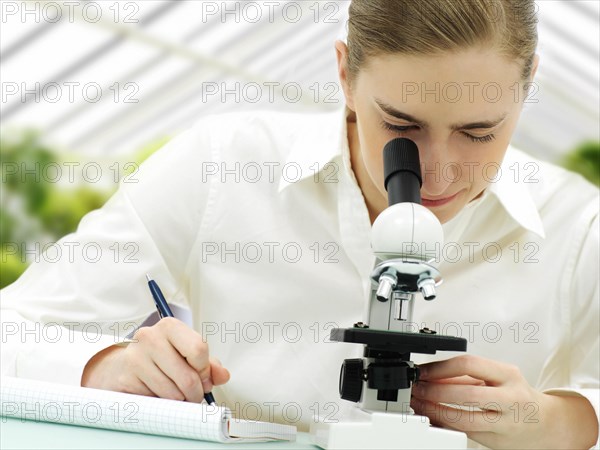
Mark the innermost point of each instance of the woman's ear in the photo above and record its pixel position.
(534, 66)
(341, 51)
(529, 84)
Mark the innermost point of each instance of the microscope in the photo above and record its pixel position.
(380, 383)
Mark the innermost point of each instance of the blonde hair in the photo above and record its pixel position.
(429, 27)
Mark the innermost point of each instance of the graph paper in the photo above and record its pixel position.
(51, 402)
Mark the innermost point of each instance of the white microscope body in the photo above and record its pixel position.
(380, 383)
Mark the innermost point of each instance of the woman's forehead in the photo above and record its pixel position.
(477, 80)
(469, 65)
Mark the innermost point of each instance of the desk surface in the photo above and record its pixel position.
(15, 433)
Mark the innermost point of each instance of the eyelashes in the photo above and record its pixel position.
(486, 138)
(399, 129)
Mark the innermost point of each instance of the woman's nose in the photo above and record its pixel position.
(437, 170)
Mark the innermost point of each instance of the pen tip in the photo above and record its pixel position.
(147, 277)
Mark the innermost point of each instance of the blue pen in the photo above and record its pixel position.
(165, 311)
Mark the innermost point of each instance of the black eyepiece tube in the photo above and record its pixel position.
(402, 171)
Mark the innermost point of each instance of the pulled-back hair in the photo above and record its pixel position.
(429, 27)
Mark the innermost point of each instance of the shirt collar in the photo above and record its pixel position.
(514, 194)
(313, 147)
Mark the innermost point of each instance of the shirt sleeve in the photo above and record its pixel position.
(89, 291)
(585, 318)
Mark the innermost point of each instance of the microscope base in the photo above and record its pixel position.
(384, 431)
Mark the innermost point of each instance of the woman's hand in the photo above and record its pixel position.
(167, 360)
(505, 411)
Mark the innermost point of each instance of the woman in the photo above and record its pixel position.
(260, 224)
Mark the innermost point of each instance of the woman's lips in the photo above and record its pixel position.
(439, 201)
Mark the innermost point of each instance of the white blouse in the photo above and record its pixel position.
(256, 224)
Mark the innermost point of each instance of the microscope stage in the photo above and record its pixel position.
(395, 341)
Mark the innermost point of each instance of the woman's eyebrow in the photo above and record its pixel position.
(482, 124)
(390, 110)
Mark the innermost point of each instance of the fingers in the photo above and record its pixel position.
(220, 375)
(452, 395)
(190, 345)
(170, 360)
(459, 394)
(465, 379)
(131, 384)
(167, 360)
(160, 384)
(492, 372)
(176, 368)
(142, 389)
(457, 419)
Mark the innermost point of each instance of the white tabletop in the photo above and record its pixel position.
(17, 433)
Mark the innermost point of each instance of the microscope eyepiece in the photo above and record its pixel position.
(402, 171)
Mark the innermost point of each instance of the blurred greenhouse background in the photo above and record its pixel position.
(90, 89)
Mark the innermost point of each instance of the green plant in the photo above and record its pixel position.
(585, 159)
(35, 209)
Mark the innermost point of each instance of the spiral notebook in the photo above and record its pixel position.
(51, 402)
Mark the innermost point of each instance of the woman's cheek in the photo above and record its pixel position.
(373, 157)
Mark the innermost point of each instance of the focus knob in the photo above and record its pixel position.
(351, 379)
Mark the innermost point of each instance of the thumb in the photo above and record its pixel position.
(219, 374)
